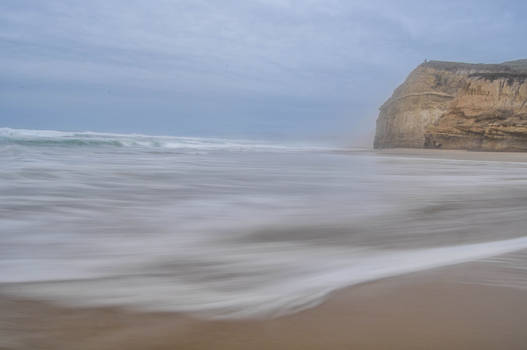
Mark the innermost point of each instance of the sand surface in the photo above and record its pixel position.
(456, 154)
(426, 310)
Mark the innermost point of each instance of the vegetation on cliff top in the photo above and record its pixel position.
(513, 67)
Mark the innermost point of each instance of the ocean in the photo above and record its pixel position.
(238, 228)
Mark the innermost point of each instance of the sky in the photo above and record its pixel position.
(274, 69)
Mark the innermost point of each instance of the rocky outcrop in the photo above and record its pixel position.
(458, 106)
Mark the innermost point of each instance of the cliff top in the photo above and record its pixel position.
(510, 67)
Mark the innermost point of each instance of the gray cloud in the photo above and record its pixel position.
(258, 68)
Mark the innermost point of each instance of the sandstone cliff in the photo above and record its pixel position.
(458, 106)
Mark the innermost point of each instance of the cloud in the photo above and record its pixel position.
(330, 56)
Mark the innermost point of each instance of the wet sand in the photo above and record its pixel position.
(456, 154)
(426, 310)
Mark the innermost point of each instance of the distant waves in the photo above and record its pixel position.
(68, 139)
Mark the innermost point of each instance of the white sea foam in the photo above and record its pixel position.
(290, 279)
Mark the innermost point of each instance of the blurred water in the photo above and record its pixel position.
(238, 228)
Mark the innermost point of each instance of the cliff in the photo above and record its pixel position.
(458, 106)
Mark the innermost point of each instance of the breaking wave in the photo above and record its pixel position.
(41, 138)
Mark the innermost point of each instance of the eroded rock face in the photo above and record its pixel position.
(458, 106)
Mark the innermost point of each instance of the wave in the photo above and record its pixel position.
(297, 290)
(42, 138)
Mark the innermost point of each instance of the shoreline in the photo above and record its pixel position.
(455, 154)
(428, 309)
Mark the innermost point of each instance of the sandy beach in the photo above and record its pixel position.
(455, 154)
(426, 310)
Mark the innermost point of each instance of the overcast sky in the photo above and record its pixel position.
(265, 69)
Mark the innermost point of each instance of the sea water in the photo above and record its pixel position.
(237, 228)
